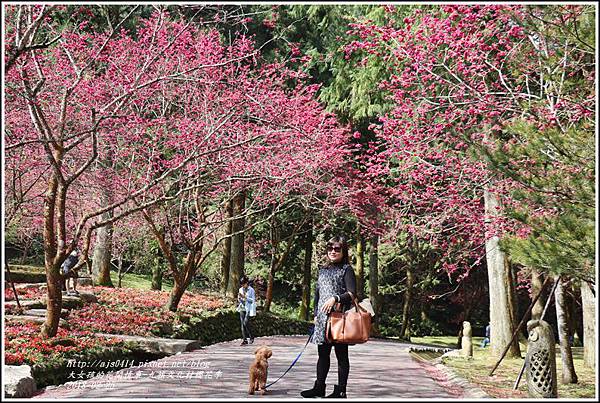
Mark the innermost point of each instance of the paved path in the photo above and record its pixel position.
(378, 369)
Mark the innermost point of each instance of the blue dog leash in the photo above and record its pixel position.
(297, 358)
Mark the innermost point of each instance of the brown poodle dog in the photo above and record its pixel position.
(258, 370)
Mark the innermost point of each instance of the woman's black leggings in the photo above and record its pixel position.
(341, 353)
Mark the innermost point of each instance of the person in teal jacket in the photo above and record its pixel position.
(246, 308)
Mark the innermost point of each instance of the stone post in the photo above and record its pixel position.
(540, 361)
(467, 340)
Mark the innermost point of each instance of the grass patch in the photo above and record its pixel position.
(500, 384)
(25, 274)
(34, 274)
(27, 268)
(139, 281)
(439, 341)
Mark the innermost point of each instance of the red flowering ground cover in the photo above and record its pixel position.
(118, 311)
(29, 293)
(23, 344)
(133, 311)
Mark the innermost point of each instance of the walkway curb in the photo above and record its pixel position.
(158, 344)
(471, 391)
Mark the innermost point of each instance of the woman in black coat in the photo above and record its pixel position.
(336, 284)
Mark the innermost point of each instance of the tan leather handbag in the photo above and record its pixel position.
(350, 327)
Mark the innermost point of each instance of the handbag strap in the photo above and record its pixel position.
(356, 305)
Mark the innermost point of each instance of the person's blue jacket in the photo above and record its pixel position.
(249, 305)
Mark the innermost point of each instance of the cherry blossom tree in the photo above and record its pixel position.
(278, 149)
(87, 96)
(463, 77)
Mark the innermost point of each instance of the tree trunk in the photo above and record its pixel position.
(404, 330)
(499, 289)
(53, 276)
(570, 303)
(306, 273)
(511, 290)
(25, 252)
(226, 254)
(120, 273)
(236, 269)
(179, 288)
(157, 277)
(588, 302)
(360, 264)
(374, 282)
(276, 260)
(514, 310)
(274, 240)
(269, 296)
(536, 287)
(562, 321)
(54, 302)
(103, 255)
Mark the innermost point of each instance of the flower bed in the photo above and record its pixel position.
(24, 293)
(124, 310)
(135, 312)
(51, 359)
(132, 312)
(23, 344)
(118, 311)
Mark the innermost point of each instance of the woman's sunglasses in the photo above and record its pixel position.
(334, 248)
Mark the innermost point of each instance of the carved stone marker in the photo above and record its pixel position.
(467, 340)
(540, 361)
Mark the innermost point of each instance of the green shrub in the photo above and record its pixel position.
(59, 371)
(224, 325)
(26, 274)
(427, 327)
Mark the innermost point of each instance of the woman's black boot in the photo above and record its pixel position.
(317, 391)
(339, 392)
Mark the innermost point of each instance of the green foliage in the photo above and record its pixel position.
(32, 244)
(319, 31)
(425, 327)
(224, 325)
(101, 18)
(560, 180)
(145, 252)
(391, 324)
(26, 274)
